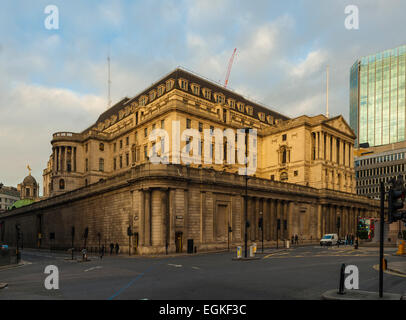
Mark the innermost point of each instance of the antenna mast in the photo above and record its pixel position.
(108, 82)
(327, 114)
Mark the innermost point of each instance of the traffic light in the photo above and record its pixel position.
(260, 223)
(396, 200)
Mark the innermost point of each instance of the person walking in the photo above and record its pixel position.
(117, 248)
(111, 248)
(296, 239)
(293, 239)
(102, 251)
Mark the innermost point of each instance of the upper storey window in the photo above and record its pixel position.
(195, 89)
(231, 103)
(207, 93)
(169, 84)
(240, 106)
(219, 98)
(152, 95)
(261, 116)
(101, 146)
(161, 90)
(183, 84)
(250, 110)
(143, 100)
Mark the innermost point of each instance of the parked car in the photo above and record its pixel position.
(3, 246)
(330, 239)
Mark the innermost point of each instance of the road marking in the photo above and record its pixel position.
(93, 268)
(175, 265)
(196, 268)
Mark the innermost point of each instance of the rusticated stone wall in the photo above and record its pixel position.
(164, 204)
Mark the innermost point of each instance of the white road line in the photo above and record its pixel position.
(93, 268)
(175, 265)
(196, 268)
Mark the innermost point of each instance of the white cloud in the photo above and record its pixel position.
(314, 61)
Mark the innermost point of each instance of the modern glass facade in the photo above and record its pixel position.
(377, 97)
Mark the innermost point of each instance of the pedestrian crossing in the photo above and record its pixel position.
(324, 252)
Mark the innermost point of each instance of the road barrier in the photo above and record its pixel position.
(401, 249)
(252, 252)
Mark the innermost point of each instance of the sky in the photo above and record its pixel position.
(56, 79)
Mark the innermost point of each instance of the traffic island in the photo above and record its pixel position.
(246, 259)
(359, 295)
(3, 285)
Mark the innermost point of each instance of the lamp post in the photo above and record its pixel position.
(261, 226)
(246, 132)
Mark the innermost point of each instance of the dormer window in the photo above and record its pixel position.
(219, 98)
(261, 116)
(231, 103)
(152, 95)
(161, 90)
(143, 100)
(183, 84)
(195, 89)
(169, 84)
(250, 110)
(240, 106)
(207, 93)
(269, 119)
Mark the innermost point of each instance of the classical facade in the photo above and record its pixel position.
(103, 178)
(8, 195)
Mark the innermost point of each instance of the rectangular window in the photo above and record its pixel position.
(162, 124)
(188, 123)
(127, 159)
(127, 141)
(121, 144)
(121, 162)
(200, 127)
(115, 164)
(114, 147)
(145, 132)
(145, 153)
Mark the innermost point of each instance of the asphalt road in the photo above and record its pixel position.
(299, 273)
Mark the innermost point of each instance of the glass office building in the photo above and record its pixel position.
(377, 97)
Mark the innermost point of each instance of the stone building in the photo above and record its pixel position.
(8, 195)
(103, 178)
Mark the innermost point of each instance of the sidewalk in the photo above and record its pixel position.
(359, 295)
(397, 267)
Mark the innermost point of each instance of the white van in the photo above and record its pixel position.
(330, 239)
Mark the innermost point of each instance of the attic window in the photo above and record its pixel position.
(231, 103)
(219, 98)
(207, 93)
(161, 90)
(169, 84)
(240, 106)
(152, 95)
(250, 110)
(196, 89)
(183, 84)
(143, 100)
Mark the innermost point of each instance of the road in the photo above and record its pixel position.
(299, 273)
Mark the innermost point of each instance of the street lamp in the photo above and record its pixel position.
(246, 132)
(261, 226)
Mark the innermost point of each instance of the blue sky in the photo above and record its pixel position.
(56, 80)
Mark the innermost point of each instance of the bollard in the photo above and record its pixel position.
(356, 244)
(252, 253)
(401, 248)
(342, 278)
(239, 252)
(254, 248)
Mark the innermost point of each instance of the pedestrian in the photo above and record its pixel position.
(117, 248)
(102, 251)
(296, 239)
(111, 248)
(293, 239)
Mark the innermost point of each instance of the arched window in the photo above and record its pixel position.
(61, 184)
(284, 176)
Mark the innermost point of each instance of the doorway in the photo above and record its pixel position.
(178, 242)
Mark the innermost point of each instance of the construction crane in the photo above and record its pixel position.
(230, 64)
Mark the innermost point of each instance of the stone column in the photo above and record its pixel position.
(290, 217)
(257, 209)
(172, 217)
(316, 145)
(165, 217)
(319, 221)
(321, 145)
(147, 210)
(74, 159)
(141, 235)
(267, 218)
(272, 222)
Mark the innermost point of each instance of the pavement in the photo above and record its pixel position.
(397, 267)
(359, 295)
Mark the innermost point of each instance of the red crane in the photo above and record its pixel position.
(230, 64)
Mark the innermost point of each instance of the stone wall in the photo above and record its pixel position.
(160, 201)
